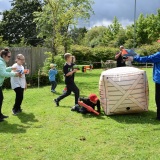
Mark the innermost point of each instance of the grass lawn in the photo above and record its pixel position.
(46, 132)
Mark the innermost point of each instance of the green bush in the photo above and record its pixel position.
(58, 60)
(32, 81)
(148, 49)
(81, 53)
(88, 55)
(43, 79)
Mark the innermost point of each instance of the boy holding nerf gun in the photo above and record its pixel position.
(69, 73)
(88, 105)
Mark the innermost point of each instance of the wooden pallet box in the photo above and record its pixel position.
(124, 90)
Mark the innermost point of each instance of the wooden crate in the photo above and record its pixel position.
(123, 90)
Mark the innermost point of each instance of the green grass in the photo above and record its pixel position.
(46, 132)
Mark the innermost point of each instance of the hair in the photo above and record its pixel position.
(4, 52)
(19, 56)
(67, 55)
(52, 65)
(121, 46)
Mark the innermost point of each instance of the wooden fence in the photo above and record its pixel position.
(34, 57)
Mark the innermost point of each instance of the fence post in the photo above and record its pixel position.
(39, 72)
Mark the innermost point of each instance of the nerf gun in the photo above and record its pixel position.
(128, 52)
(89, 108)
(83, 68)
(25, 71)
(76, 67)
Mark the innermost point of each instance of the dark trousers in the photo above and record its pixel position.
(70, 88)
(53, 85)
(1, 100)
(19, 97)
(157, 98)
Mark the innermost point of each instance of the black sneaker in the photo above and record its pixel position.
(75, 108)
(19, 111)
(3, 116)
(14, 112)
(56, 102)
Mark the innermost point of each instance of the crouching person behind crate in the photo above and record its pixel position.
(91, 101)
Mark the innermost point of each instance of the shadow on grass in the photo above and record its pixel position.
(57, 93)
(87, 115)
(27, 117)
(139, 118)
(12, 128)
(62, 106)
(101, 116)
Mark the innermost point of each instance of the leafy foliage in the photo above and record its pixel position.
(54, 21)
(87, 55)
(3, 43)
(58, 60)
(77, 35)
(17, 23)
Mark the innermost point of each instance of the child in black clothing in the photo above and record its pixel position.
(91, 101)
(69, 80)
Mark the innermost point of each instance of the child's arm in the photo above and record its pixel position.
(67, 72)
(25, 85)
(56, 71)
(98, 106)
(70, 73)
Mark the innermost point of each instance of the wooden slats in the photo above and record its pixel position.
(124, 91)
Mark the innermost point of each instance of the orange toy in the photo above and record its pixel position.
(90, 109)
(124, 52)
(26, 71)
(65, 90)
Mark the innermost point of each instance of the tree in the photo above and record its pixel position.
(77, 35)
(96, 36)
(119, 39)
(104, 36)
(57, 17)
(17, 23)
(153, 26)
(115, 27)
(141, 34)
(147, 29)
(3, 43)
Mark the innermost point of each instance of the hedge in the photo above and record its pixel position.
(32, 81)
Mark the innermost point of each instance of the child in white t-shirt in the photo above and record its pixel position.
(18, 84)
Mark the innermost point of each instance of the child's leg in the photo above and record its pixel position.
(65, 94)
(157, 98)
(54, 85)
(75, 90)
(18, 100)
(65, 89)
(83, 110)
(1, 100)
